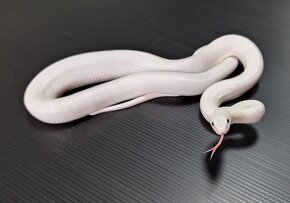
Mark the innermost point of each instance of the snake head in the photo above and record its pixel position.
(221, 121)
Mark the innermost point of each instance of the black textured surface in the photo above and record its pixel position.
(152, 152)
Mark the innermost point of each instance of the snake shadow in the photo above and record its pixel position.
(248, 136)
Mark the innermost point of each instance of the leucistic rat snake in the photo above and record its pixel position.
(135, 77)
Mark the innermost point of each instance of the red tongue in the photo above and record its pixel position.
(216, 146)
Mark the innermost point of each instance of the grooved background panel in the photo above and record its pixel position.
(151, 152)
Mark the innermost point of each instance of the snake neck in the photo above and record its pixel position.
(250, 57)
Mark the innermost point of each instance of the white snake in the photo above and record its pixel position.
(135, 77)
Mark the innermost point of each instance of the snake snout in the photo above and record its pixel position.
(221, 121)
(221, 126)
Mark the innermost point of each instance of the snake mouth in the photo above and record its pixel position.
(213, 150)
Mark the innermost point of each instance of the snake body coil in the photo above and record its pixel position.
(134, 77)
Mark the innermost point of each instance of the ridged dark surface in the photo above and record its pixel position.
(152, 152)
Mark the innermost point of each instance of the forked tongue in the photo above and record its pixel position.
(212, 150)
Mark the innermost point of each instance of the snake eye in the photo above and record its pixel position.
(228, 120)
(212, 123)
